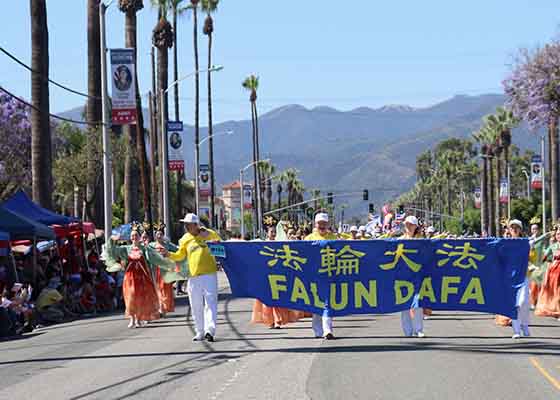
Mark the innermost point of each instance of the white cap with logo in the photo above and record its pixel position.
(322, 217)
(191, 219)
(353, 228)
(516, 222)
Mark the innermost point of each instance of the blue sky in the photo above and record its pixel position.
(307, 52)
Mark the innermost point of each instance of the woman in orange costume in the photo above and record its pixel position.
(548, 304)
(273, 317)
(139, 292)
(165, 290)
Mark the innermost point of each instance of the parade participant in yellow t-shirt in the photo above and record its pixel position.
(202, 286)
(322, 325)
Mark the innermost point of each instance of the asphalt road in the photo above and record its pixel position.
(464, 356)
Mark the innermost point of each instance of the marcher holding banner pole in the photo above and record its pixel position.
(322, 325)
(521, 323)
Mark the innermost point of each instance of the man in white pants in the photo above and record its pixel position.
(322, 324)
(202, 285)
(521, 323)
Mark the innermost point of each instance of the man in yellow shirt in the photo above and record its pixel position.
(322, 325)
(202, 285)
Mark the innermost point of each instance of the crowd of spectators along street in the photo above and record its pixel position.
(67, 288)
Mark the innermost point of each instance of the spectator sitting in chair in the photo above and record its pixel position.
(50, 303)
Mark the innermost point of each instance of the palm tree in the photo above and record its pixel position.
(210, 6)
(130, 8)
(41, 152)
(251, 83)
(178, 9)
(267, 170)
(487, 141)
(93, 106)
(194, 7)
(162, 39)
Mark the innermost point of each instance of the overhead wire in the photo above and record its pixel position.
(18, 61)
(54, 116)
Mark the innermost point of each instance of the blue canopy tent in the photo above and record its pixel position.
(21, 203)
(20, 227)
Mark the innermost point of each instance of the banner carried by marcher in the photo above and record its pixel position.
(379, 276)
(124, 88)
(536, 172)
(175, 140)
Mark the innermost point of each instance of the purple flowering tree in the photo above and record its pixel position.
(533, 90)
(15, 146)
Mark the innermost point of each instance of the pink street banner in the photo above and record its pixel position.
(536, 172)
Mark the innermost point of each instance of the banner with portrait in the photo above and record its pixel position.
(204, 189)
(175, 146)
(124, 88)
(504, 191)
(536, 172)
(477, 198)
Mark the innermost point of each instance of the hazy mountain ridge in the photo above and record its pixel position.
(348, 150)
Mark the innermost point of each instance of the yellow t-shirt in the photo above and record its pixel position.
(48, 297)
(318, 236)
(197, 253)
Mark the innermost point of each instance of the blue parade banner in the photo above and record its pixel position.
(379, 276)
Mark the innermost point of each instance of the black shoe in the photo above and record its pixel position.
(209, 337)
(329, 336)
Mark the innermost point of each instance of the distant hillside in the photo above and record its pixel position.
(349, 151)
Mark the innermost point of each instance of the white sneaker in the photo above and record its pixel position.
(130, 324)
(198, 338)
(516, 336)
(420, 334)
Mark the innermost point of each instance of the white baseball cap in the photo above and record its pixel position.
(191, 219)
(362, 228)
(353, 228)
(431, 229)
(411, 219)
(322, 217)
(516, 222)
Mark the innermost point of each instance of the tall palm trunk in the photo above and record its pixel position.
(130, 164)
(258, 154)
(177, 116)
(555, 171)
(196, 90)
(449, 195)
(41, 151)
(154, 140)
(255, 164)
(209, 27)
(491, 205)
(163, 83)
(94, 108)
(484, 196)
(497, 205)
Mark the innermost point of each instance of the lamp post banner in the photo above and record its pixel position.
(379, 276)
(175, 141)
(124, 89)
(204, 189)
(536, 172)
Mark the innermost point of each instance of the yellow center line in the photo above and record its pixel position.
(545, 373)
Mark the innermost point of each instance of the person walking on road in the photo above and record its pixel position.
(322, 325)
(202, 286)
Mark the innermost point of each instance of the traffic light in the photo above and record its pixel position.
(366, 195)
(329, 198)
(371, 209)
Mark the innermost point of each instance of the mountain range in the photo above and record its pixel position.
(347, 151)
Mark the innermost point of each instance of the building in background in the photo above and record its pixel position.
(231, 197)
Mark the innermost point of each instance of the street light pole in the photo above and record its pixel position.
(107, 174)
(543, 187)
(164, 152)
(528, 183)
